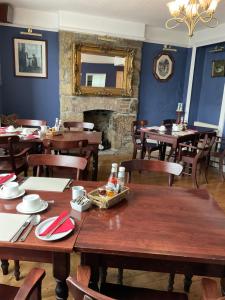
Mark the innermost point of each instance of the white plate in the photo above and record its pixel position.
(21, 209)
(21, 193)
(11, 179)
(43, 225)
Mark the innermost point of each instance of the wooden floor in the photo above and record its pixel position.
(138, 278)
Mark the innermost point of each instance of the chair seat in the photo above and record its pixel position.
(122, 292)
(8, 292)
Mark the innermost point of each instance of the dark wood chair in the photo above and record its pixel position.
(39, 162)
(14, 158)
(210, 290)
(218, 152)
(30, 289)
(79, 125)
(139, 142)
(196, 156)
(168, 123)
(152, 166)
(30, 123)
(108, 291)
(74, 148)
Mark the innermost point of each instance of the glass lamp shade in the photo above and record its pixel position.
(174, 8)
(204, 4)
(212, 6)
(182, 3)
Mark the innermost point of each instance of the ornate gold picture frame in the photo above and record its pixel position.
(127, 55)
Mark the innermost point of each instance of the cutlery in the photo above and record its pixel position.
(24, 226)
(57, 226)
(35, 221)
(69, 184)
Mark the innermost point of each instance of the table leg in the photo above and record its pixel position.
(163, 152)
(61, 270)
(95, 166)
(92, 260)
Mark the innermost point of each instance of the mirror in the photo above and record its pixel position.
(102, 71)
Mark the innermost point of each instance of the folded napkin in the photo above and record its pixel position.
(5, 178)
(31, 136)
(67, 225)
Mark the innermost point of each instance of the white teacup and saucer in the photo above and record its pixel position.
(32, 204)
(162, 128)
(11, 129)
(11, 190)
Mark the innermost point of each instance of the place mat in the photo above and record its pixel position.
(10, 224)
(45, 184)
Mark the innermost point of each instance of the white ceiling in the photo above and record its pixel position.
(151, 12)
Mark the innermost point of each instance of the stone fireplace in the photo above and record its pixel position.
(113, 114)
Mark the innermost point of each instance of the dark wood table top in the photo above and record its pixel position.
(62, 202)
(93, 137)
(158, 223)
(191, 130)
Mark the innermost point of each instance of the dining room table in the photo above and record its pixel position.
(56, 252)
(160, 229)
(94, 139)
(172, 137)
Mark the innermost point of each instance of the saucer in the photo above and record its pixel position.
(10, 179)
(21, 209)
(21, 193)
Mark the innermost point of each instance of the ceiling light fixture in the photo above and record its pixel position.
(191, 12)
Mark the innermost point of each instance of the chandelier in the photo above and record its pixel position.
(191, 12)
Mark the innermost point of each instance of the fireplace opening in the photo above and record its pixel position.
(102, 120)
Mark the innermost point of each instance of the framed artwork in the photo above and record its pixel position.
(30, 58)
(218, 68)
(163, 66)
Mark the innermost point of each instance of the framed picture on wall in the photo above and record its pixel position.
(30, 58)
(163, 66)
(218, 68)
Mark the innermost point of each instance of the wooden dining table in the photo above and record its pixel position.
(94, 139)
(173, 138)
(33, 249)
(156, 228)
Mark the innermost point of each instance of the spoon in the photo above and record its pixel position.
(35, 220)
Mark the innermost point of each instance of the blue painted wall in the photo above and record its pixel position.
(32, 98)
(158, 100)
(108, 69)
(211, 90)
(207, 92)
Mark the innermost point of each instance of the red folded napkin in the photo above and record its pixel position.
(31, 136)
(67, 225)
(5, 178)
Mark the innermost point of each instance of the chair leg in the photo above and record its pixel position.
(171, 282)
(194, 175)
(5, 266)
(134, 153)
(17, 269)
(120, 276)
(221, 168)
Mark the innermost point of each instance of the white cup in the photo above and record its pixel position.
(10, 128)
(26, 131)
(10, 189)
(78, 191)
(44, 128)
(162, 128)
(31, 202)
